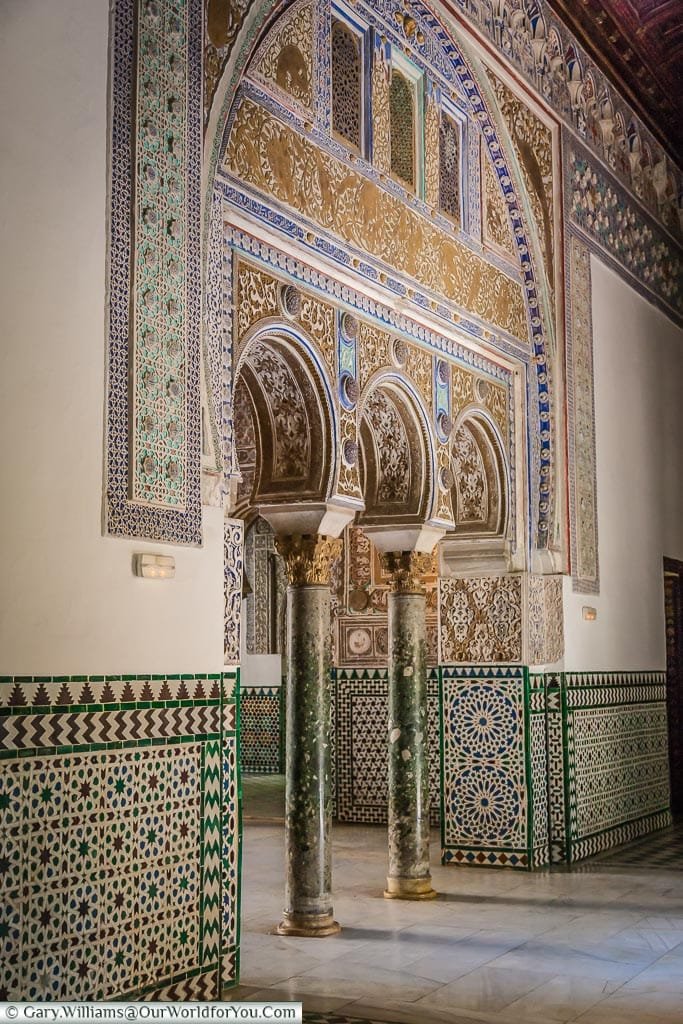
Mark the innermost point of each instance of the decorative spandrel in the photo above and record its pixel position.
(347, 67)
(533, 144)
(286, 58)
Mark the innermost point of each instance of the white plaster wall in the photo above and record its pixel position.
(69, 602)
(638, 356)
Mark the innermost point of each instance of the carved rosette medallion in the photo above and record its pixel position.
(407, 570)
(308, 558)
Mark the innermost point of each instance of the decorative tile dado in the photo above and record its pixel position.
(111, 861)
(612, 784)
(493, 797)
(261, 729)
(153, 410)
(361, 709)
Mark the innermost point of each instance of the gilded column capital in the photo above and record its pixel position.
(407, 569)
(308, 557)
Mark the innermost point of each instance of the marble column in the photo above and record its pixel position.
(409, 875)
(308, 795)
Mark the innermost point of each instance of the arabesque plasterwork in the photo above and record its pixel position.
(271, 157)
(581, 422)
(533, 144)
(469, 390)
(286, 58)
(495, 220)
(480, 619)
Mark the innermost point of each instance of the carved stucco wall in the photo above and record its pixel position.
(370, 219)
(361, 586)
(513, 619)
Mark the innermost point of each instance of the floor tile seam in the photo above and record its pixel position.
(568, 1020)
(307, 973)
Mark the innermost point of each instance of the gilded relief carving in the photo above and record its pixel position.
(308, 558)
(381, 121)
(419, 369)
(445, 507)
(286, 58)
(496, 222)
(407, 570)
(373, 352)
(274, 159)
(287, 409)
(348, 483)
(481, 619)
(393, 449)
(256, 297)
(223, 20)
(468, 389)
(470, 479)
(317, 318)
(533, 144)
(432, 117)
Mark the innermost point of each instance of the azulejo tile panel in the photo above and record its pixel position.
(110, 826)
(361, 701)
(153, 412)
(616, 758)
(261, 729)
(493, 753)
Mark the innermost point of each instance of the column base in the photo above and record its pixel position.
(314, 926)
(409, 889)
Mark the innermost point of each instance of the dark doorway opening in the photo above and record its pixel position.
(673, 606)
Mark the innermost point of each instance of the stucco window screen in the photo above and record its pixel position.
(402, 119)
(347, 96)
(449, 167)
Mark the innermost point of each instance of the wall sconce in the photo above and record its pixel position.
(154, 567)
(589, 614)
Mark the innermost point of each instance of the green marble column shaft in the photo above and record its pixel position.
(409, 875)
(308, 796)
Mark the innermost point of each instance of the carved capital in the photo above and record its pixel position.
(308, 558)
(407, 569)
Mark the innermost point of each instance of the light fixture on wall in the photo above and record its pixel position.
(589, 614)
(154, 567)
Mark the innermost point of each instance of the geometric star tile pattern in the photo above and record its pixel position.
(110, 847)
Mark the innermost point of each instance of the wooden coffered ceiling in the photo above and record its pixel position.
(639, 45)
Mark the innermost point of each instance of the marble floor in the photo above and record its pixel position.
(599, 944)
